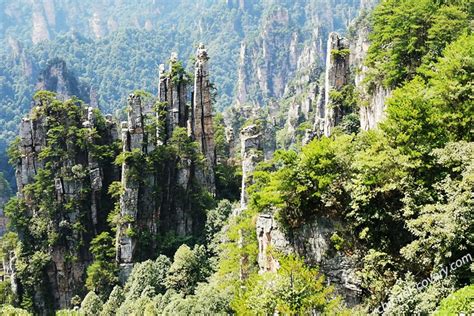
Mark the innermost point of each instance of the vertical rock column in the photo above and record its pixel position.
(177, 96)
(172, 93)
(132, 138)
(163, 115)
(337, 75)
(32, 140)
(252, 154)
(95, 173)
(202, 116)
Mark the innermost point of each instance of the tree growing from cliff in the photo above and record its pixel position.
(102, 273)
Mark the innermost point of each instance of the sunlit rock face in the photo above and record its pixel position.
(311, 241)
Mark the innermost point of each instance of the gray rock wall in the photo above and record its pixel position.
(372, 103)
(312, 242)
(132, 140)
(159, 201)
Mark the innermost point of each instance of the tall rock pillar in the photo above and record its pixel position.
(172, 95)
(95, 172)
(177, 94)
(337, 75)
(202, 116)
(132, 138)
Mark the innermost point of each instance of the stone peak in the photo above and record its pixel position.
(201, 53)
(174, 57)
(161, 69)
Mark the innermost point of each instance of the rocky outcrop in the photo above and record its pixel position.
(56, 77)
(372, 101)
(270, 236)
(97, 25)
(264, 67)
(162, 175)
(289, 43)
(304, 91)
(337, 76)
(374, 112)
(311, 241)
(133, 136)
(172, 93)
(32, 140)
(40, 29)
(251, 151)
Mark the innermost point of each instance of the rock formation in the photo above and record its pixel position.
(56, 77)
(40, 30)
(161, 175)
(337, 75)
(372, 109)
(172, 93)
(32, 140)
(202, 116)
(133, 136)
(251, 150)
(311, 241)
(286, 41)
(159, 199)
(263, 69)
(75, 173)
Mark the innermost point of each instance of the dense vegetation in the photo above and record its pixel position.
(403, 194)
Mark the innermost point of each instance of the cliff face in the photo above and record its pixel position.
(345, 73)
(324, 105)
(264, 65)
(337, 76)
(312, 241)
(202, 129)
(291, 43)
(251, 155)
(372, 108)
